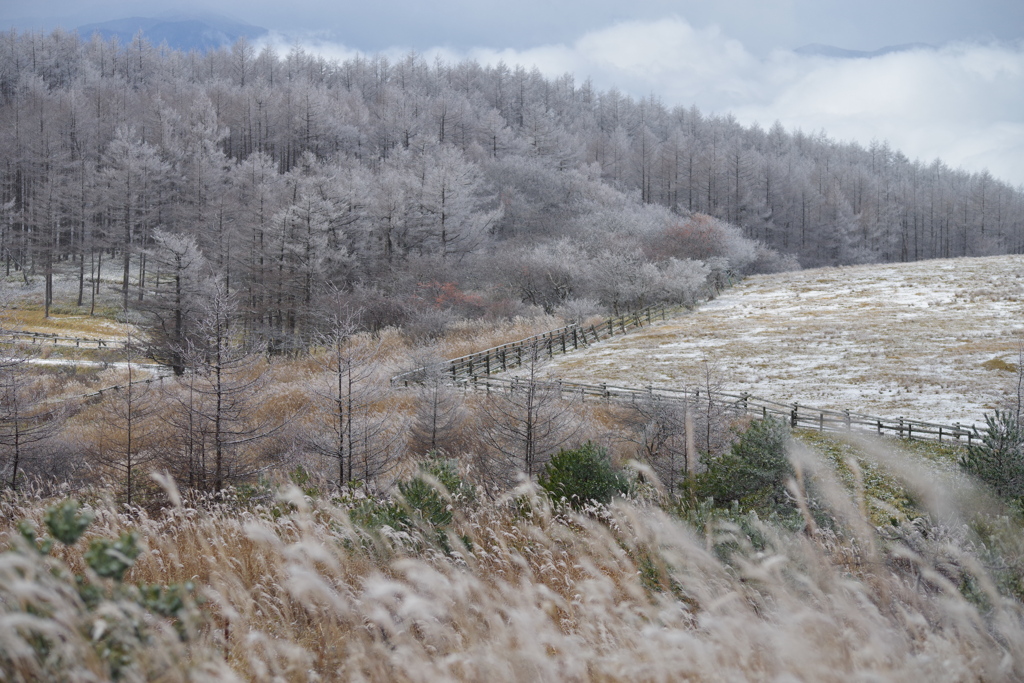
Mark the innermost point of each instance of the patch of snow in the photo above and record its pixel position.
(896, 340)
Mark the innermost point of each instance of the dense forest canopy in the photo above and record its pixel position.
(417, 192)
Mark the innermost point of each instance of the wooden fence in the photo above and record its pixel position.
(158, 379)
(45, 339)
(476, 370)
(547, 345)
(798, 416)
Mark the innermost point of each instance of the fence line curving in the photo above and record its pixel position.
(477, 370)
(545, 345)
(795, 414)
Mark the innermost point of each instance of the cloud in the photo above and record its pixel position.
(963, 103)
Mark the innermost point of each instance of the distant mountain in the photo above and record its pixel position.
(207, 32)
(817, 50)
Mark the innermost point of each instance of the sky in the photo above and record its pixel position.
(961, 99)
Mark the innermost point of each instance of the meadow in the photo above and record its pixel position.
(935, 340)
(887, 563)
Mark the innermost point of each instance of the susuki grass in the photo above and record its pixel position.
(292, 589)
(900, 569)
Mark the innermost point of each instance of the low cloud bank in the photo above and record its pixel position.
(963, 103)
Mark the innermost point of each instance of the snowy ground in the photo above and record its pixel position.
(933, 340)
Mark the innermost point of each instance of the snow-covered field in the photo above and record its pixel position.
(933, 340)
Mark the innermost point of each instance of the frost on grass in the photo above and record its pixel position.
(931, 340)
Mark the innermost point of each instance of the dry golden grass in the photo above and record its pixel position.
(296, 592)
(24, 319)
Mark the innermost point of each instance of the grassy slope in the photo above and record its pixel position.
(294, 592)
(934, 340)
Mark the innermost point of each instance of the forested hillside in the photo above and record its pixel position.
(418, 193)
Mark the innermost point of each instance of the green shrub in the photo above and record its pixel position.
(301, 477)
(107, 614)
(423, 498)
(753, 474)
(372, 514)
(582, 475)
(998, 458)
(111, 558)
(67, 521)
(426, 502)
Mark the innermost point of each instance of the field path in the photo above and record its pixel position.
(932, 340)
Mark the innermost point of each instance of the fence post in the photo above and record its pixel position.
(821, 422)
(847, 413)
(901, 427)
(793, 415)
(611, 328)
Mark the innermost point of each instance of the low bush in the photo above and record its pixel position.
(581, 475)
(998, 457)
(753, 474)
(93, 624)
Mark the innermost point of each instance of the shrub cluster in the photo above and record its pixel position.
(93, 621)
(753, 474)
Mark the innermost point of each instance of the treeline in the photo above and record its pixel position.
(418, 193)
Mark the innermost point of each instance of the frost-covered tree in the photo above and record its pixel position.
(181, 284)
(352, 423)
(133, 178)
(525, 425)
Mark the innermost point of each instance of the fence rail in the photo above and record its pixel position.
(798, 416)
(47, 339)
(546, 345)
(476, 370)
